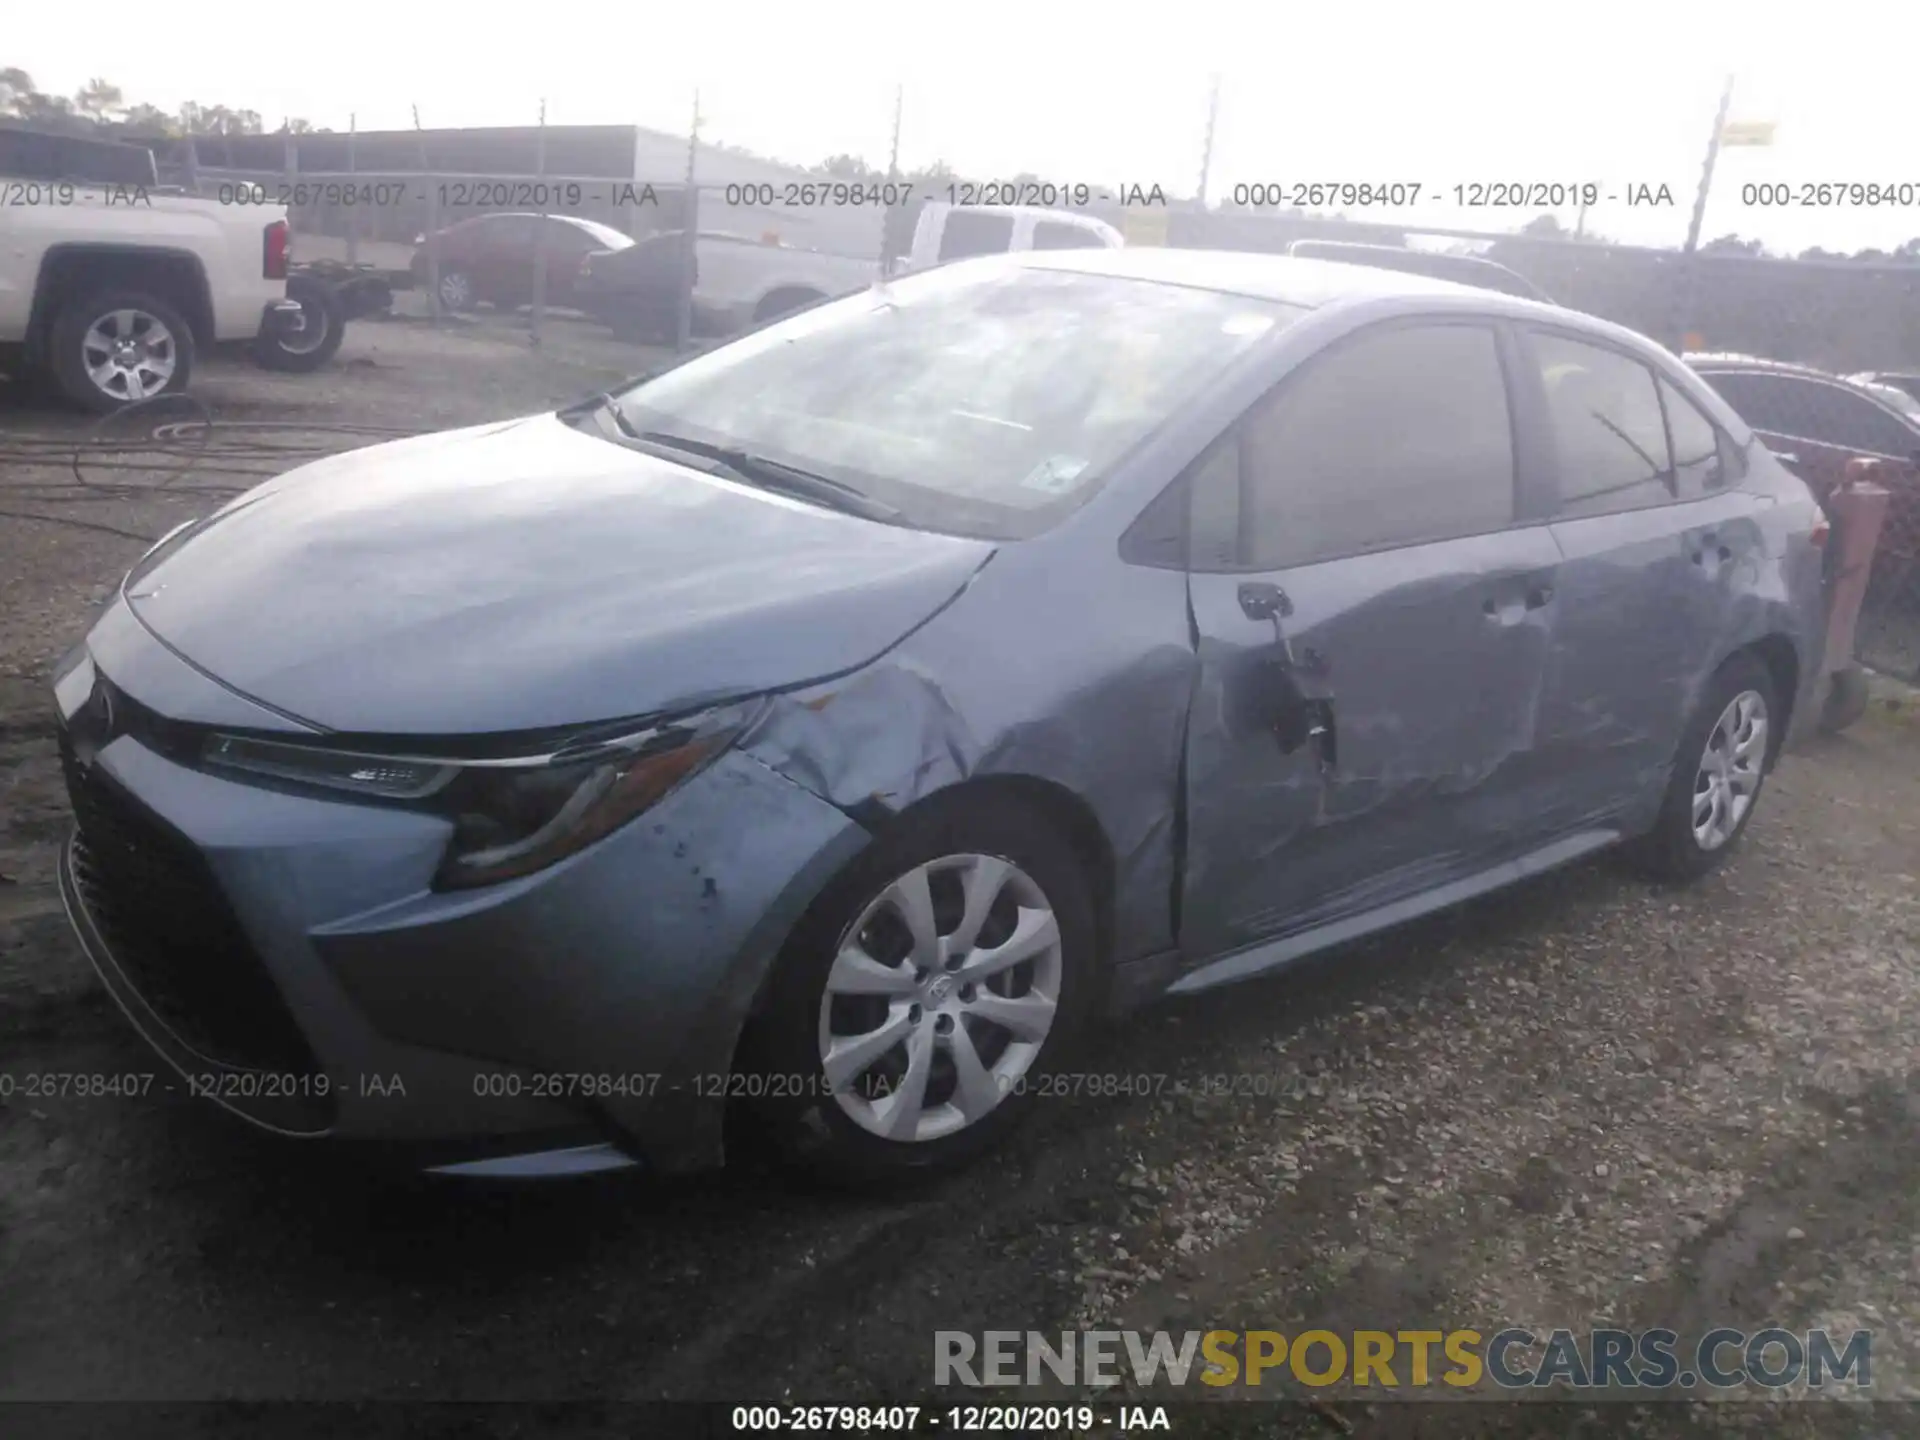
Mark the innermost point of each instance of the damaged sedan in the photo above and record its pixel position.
(836, 726)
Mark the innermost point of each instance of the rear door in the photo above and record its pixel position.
(1655, 539)
(1372, 597)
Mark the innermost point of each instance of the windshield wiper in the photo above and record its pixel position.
(769, 473)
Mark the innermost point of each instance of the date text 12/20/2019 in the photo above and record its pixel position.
(1468, 195)
(1025, 1420)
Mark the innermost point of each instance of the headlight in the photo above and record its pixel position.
(512, 817)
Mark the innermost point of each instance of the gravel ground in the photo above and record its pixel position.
(1585, 1102)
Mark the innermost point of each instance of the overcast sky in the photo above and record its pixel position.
(1621, 93)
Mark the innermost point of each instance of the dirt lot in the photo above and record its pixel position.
(1585, 1102)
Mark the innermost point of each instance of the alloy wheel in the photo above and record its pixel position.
(129, 354)
(1730, 770)
(940, 997)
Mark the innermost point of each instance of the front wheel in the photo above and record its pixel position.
(115, 348)
(1718, 773)
(917, 1011)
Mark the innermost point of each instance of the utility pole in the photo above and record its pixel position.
(888, 210)
(1683, 305)
(1206, 148)
(690, 216)
(893, 153)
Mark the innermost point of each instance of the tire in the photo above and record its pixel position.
(315, 345)
(158, 360)
(1847, 699)
(834, 1133)
(782, 303)
(456, 289)
(1674, 850)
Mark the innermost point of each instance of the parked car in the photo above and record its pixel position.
(1462, 269)
(742, 280)
(1884, 390)
(1820, 422)
(490, 258)
(1816, 423)
(112, 286)
(845, 719)
(1905, 382)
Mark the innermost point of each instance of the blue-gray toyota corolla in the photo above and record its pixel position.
(839, 723)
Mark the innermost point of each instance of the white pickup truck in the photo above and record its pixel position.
(110, 284)
(742, 279)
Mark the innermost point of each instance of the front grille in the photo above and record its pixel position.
(172, 933)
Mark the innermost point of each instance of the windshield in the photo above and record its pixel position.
(980, 398)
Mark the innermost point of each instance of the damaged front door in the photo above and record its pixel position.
(1372, 621)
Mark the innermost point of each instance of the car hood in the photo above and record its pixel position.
(524, 575)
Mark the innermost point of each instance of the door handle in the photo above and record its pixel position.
(1538, 596)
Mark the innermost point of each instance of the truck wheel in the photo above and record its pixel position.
(782, 303)
(314, 343)
(113, 348)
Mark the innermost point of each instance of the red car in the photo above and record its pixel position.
(491, 257)
(1822, 421)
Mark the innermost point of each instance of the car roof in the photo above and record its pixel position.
(1436, 263)
(1319, 284)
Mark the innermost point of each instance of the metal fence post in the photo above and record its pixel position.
(433, 223)
(353, 211)
(539, 310)
(689, 237)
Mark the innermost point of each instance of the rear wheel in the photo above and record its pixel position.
(1718, 773)
(917, 1009)
(114, 348)
(456, 289)
(314, 343)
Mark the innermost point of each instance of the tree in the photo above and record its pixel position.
(293, 125)
(850, 167)
(98, 100)
(14, 84)
(1732, 245)
(1545, 225)
(147, 120)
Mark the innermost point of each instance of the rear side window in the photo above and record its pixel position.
(1802, 409)
(1394, 437)
(1698, 450)
(1608, 429)
(1052, 235)
(975, 232)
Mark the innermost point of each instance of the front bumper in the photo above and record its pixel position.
(287, 955)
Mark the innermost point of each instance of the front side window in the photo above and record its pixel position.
(1608, 429)
(1393, 437)
(982, 399)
